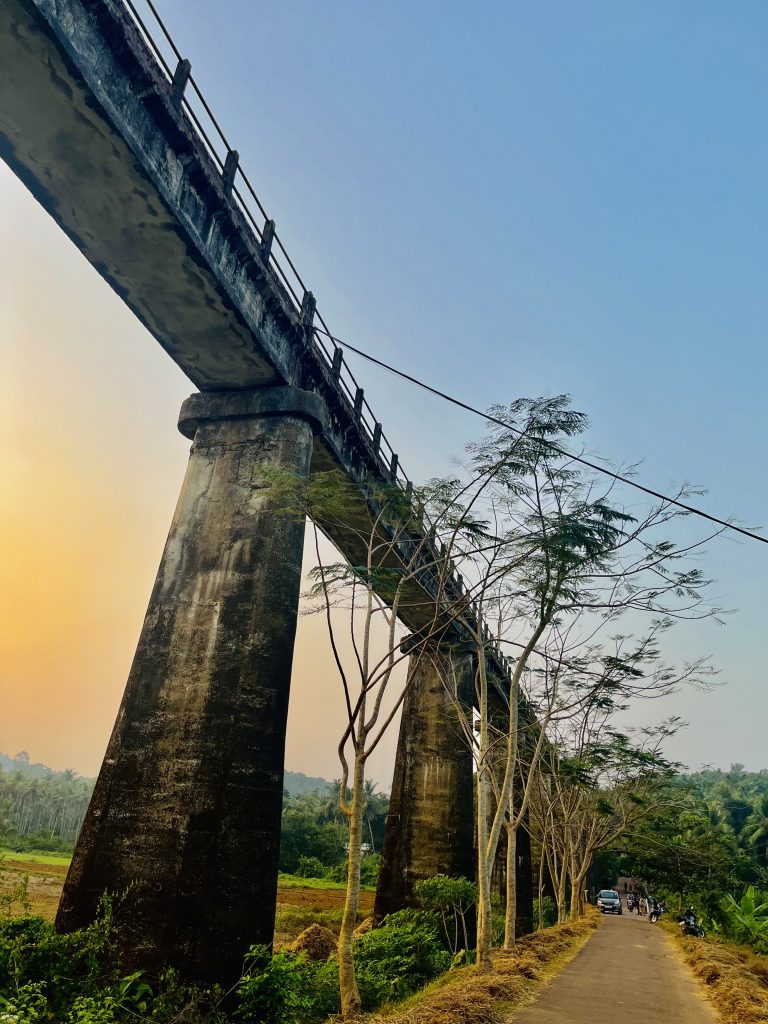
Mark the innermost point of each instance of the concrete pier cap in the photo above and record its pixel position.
(205, 406)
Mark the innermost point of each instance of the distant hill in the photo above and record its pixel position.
(295, 782)
(33, 769)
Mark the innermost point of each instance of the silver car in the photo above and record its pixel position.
(608, 901)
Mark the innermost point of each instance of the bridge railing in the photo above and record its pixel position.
(188, 96)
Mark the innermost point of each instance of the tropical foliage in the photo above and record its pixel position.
(39, 808)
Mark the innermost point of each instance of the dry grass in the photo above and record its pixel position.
(472, 996)
(735, 978)
(316, 942)
(44, 883)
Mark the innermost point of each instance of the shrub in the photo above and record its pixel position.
(310, 867)
(270, 990)
(285, 989)
(36, 843)
(65, 966)
(399, 957)
(13, 890)
(26, 1005)
(338, 872)
(747, 920)
(453, 899)
(369, 870)
(321, 980)
(548, 911)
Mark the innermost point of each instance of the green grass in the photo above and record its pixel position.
(295, 919)
(295, 882)
(38, 858)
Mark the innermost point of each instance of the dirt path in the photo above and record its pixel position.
(628, 973)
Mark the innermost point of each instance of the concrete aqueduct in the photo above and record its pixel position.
(102, 130)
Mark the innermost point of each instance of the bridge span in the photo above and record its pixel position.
(118, 145)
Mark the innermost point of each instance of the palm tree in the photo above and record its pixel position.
(376, 806)
(756, 829)
(331, 809)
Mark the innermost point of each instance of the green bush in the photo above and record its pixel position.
(271, 989)
(338, 872)
(46, 978)
(64, 966)
(26, 1005)
(399, 957)
(747, 920)
(310, 867)
(549, 911)
(14, 889)
(35, 843)
(369, 870)
(320, 980)
(454, 900)
(75, 979)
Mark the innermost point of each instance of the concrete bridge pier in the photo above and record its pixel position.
(430, 826)
(185, 817)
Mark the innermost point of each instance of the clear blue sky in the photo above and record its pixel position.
(512, 199)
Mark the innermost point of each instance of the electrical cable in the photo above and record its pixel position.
(551, 444)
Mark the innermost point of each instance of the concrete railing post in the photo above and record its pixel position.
(185, 816)
(430, 825)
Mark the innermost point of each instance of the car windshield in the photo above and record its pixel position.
(607, 894)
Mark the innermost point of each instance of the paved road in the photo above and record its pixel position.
(628, 973)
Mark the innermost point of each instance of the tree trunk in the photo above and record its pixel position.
(510, 910)
(348, 990)
(562, 913)
(484, 922)
(541, 884)
(577, 897)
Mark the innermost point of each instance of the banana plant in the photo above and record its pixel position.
(749, 915)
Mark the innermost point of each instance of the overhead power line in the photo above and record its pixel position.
(551, 444)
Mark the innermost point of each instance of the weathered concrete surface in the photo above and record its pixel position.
(430, 822)
(186, 810)
(629, 971)
(87, 123)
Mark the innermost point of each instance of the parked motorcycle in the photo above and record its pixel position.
(658, 907)
(689, 924)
